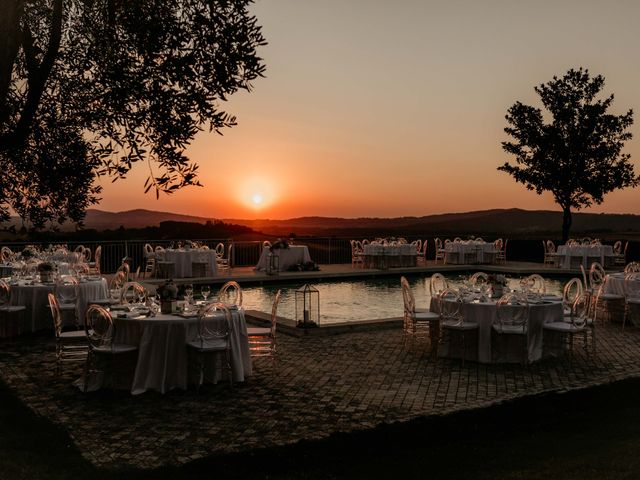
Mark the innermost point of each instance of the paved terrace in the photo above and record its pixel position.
(322, 385)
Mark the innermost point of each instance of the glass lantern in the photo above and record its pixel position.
(307, 307)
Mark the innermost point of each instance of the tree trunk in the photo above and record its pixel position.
(566, 223)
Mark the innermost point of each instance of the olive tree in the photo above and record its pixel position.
(574, 148)
(89, 88)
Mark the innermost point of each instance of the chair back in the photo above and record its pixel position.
(98, 326)
(133, 292)
(551, 247)
(220, 250)
(617, 247)
(437, 284)
(208, 329)
(274, 313)
(596, 275)
(148, 250)
(55, 314)
(478, 278)
(96, 257)
(450, 306)
(534, 284)
(265, 244)
(67, 290)
(580, 310)
(632, 267)
(512, 311)
(5, 254)
(225, 294)
(407, 297)
(572, 290)
(5, 293)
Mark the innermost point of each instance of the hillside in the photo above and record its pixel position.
(499, 221)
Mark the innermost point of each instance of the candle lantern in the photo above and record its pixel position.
(273, 264)
(307, 307)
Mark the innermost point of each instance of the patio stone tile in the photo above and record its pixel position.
(321, 385)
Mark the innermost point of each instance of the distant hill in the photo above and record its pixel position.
(139, 218)
(498, 221)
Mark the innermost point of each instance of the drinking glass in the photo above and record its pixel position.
(205, 290)
(188, 295)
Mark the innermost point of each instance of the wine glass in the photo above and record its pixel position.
(205, 290)
(188, 295)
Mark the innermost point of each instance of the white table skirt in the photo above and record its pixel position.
(456, 252)
(576, 255)
(162, 362)
(184, 258)
(485, 314)
(34, 297)
(294, 255)
(388, 256)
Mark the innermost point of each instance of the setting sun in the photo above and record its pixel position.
(257, 199)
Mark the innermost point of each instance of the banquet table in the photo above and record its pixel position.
(572, 256)
(287, 257)
(34, 297)
(184, 258)
(386, 256)
(162, 360)
(616, 283)
(485, 314)
(470, 252)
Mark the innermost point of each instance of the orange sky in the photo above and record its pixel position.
(377, 108)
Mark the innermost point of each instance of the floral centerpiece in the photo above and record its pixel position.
(280, 243)
(498, 282)
(45, 270)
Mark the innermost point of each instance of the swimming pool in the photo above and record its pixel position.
(359, 300)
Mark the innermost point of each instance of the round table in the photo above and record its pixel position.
(617, 284)
(184, 258)
(34, 297)
(485, 314)
(572, 256)
(470, 252)
(162, 356)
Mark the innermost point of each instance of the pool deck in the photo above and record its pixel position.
(249, 276)
(322, 385)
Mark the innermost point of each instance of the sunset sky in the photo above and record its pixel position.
(373, 108)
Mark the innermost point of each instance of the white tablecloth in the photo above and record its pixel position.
(34, 297)
(470, 252)
(575, 255)
(485, 314)
(385, 256)
(184, 258)
(162, 357)
(615, 283)
(294, 255)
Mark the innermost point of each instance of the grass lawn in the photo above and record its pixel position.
(589, 434)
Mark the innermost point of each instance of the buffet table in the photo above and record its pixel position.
(287, 257)
(485, 314)
(34, 297)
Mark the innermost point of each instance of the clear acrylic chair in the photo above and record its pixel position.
(213, 340)
(230, 293)
(71, 346)
(453, 323)
(419, 323)
(512, 322)
(105, 356)
(12, 317)
(262, 340)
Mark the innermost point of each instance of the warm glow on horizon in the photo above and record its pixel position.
(351, 123)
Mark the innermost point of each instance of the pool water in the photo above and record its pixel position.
(360, 300)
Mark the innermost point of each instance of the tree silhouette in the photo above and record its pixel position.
(89, 88)
(577, 154)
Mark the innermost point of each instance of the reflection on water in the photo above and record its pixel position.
(360, 300)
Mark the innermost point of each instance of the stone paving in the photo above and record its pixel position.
(322, 385)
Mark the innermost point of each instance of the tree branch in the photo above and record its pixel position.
(37, 79)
